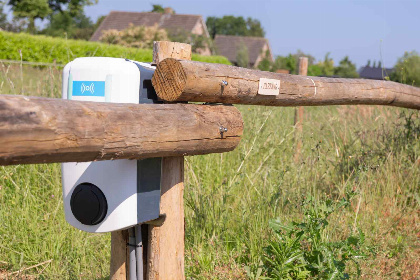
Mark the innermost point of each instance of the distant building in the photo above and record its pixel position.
(374, 73)
(121, 20)
(228, 46)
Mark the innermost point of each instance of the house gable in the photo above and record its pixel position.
(122, 20)
(227, 46)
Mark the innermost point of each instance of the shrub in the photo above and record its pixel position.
(48, 49)
(407, 69)
(301, 250)
(242, 56)
(199, 43)
(135, 36)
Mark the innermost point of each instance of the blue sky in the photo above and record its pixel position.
(376, 30)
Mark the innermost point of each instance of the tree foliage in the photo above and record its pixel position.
(242, 56)
(157, 9)
(3, 16)
(407, 69)
(77, 27)
(74, 7)
(346, 69)
(231, 25)
(41, 9)
(326, 66)
(30, 9)
(198, 42)
(266, 63)
(290, 62)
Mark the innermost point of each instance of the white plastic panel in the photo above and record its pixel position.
(102, 79)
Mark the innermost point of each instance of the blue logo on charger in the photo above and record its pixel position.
(89, 88)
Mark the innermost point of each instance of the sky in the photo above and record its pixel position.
(363, 30)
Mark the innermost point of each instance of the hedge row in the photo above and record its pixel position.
(39, 48)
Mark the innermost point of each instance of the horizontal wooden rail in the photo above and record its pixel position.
(43, 130)
(181, 80)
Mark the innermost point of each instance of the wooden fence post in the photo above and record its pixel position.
(165, 246)
(165, 243)
(118, 270)
(303, 71)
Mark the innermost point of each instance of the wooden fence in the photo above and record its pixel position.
(42, 130)
(180, 80)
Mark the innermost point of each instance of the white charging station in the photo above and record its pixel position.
(106, 196)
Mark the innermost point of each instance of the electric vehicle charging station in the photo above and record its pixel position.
(112, 195)
(107, 196)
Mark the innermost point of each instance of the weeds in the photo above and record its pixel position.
(361, 154)
(302, 250)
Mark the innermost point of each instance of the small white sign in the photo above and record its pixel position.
(269, 87)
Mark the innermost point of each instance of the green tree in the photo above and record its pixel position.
(346, 69)
(326, 66)
(290, 62)
(242, 56)
(231, 25)
(197, 42)
(407, 69)
(40, 9)
(254, 28)
(30, 9)
(266, 64)
(285, 62)
(77, 27)
(59, 24)
(3, 17)
(99, 21)
(157, 9)
(314, 70)
(74, 7)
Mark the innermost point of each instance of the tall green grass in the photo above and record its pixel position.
(230, 198)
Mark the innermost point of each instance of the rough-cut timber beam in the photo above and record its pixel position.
(181, 80)
(43, 130)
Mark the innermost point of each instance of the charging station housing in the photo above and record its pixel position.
(105, 196)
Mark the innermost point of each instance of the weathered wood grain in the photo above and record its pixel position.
(181, 80)
(165, 49)
(165, 250)
(43, 130)
(299, 111)
(118, 264)
(165, 244)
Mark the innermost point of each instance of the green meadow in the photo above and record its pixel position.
(230, 198)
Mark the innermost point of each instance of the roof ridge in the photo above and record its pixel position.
(237, 36)
(154, 13)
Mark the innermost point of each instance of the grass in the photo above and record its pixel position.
(230, 198)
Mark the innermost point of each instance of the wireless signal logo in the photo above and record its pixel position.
(89, 88)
